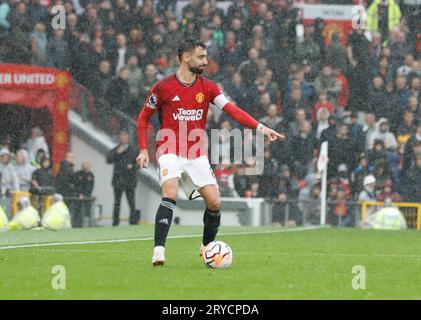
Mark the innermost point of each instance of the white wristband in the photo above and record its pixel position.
(260, 126)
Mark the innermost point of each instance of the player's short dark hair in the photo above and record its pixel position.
(189, 45)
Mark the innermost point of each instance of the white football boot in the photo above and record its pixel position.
(158, 258)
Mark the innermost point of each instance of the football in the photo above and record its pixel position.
(217, 255)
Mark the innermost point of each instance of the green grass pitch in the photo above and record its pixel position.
(268, 264)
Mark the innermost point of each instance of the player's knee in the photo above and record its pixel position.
(171, 195)
(214, 204)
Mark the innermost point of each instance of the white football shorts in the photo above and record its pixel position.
(193, 173)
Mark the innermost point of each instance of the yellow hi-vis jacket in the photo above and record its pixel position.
(389, 219)
(27, 218)
(393, 16)
(3, 219)
(57, 217)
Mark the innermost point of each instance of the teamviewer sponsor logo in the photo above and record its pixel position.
(188, 115)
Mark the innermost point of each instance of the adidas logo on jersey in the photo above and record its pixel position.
(176, 98)
(164, 221)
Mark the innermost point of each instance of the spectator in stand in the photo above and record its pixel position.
(84, 186)
(415, 86)
(384, 135)
(281, 150)
(381, 172)
(411, 148)
(309, 202)
(20, 24)
(57, 51)
(103, 79)
(9, 180)
(370, 128)
(304, 146)
(236, 89)
(344, 149)
(369, 189)
(42, 179)
(260, 108)
(267, 178)
(382, 15)
(344, 181)
(362, 170)
(356, 132)
(391, 108)
(336, 54)
(271, 119)
(330, 132)
(342, 101)
(309, 50)
(241, 180)
(135, 77)
(298, 80)
(36, 163)
(327, 81)
(376, 95)
(387, 192)
(286, 190)
(150, 78)
(118, 93)
(24, 170)
(402, 91)
(118, 57)
(414, 107)
(383, 69)
(294, 104)
(4, 16)
(338, 209)
(399, 48)
(249, 68)
(411, 187)
(322, 122)
(377, 153)
(322, 103)
(407, 125)
(65, 180)
(358, 69)
(39, 45)
(375, 48)
(406, 68)
(35, 142)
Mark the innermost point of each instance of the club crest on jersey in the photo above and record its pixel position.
(200, 97)
(188, 115)
(152, 101)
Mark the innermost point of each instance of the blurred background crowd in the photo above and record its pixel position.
(361, 95)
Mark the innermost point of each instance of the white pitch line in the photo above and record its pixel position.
(51, 244)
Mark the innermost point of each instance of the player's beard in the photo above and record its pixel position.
(195, 70)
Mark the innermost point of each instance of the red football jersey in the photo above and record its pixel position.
(182, 110)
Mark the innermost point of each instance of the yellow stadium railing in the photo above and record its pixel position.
(16, 195)
(410, 210)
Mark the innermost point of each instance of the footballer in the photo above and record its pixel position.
(182, 101)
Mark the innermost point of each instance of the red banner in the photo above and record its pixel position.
(38, 87)
(336, 18)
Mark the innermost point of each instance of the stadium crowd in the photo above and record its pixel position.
(28, 168)
(362, 96)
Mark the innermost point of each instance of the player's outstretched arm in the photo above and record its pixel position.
(247, 120)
